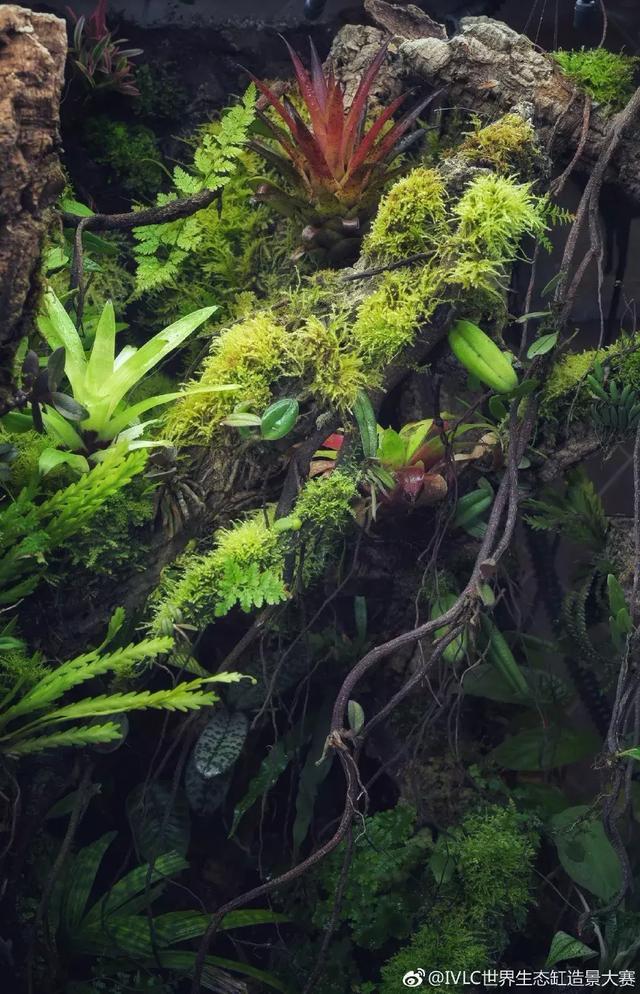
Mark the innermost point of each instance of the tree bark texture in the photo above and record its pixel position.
(33, 51)
(490, 69)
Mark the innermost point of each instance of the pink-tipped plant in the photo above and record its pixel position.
(100, 59)
(334, 165)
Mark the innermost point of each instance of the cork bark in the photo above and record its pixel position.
(489, 68)
(32, 57)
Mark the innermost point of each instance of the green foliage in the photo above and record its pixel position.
(245, 567)
(325, 502)
(220, 743)
(577, 512)
(28, 447)
(130, 150)
(616, 408)
(161, 91)
(113, 541)
(120, 927)
(586, 853)
(32, 723)
(411, 217)
(102, 380)
(608, 77)
(484, 869)
(344, 345)
(505, 144)
(30, 529)
(494, 213)
(383, 890)
(163, 249)
(18, 667)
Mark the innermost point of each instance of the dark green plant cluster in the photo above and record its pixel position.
(261, 596)
(131, 152)
(608, 77)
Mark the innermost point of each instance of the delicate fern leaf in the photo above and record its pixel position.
(76, 671)
(73, 737)
(161, 252)
(184, 697)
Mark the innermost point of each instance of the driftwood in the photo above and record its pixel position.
(33, 50)
(490, 69)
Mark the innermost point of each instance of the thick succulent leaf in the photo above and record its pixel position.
(60, 332)
(220, 743)
(101, 360)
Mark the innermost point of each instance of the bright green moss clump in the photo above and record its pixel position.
(411, 216)
(344, 342)
(387, 320)
(505, 144)
(606, 76)
(254, 354)
(485, 892)
(245, 567)
(325, 502)
(493, 214)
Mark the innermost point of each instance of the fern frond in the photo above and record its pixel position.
(84, 735)
(184, 697)
(79, 670)
(163, 249)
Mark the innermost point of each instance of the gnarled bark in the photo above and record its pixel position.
(490, 69)
(33, 50)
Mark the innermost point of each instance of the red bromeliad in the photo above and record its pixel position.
(336, 166)
(98, 57)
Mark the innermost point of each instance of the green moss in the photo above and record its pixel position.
(331, 343)
(254, 354)
(387, 320)
(565, 383)
(487, 865)
(493, 214)
(245, 567)
(325, 502)
(447, 942)
(16, 666)
(506, 144)
(29, 446)
(379, 900)
(607, 77)
(130, 150)
(161, 92)
(410, 218)
(112, 543)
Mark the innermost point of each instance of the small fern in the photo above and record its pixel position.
(162, 249)
(29, 530)
(29, 725)
(578, 512)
